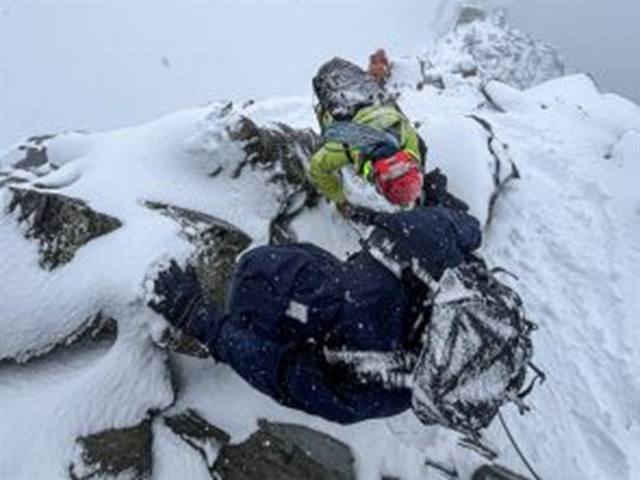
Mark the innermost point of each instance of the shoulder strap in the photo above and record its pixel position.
(373, 143)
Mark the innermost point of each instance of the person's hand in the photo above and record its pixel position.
(345, 209)
(177, 295)
(351, 368)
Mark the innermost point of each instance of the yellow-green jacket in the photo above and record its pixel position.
(333, 156)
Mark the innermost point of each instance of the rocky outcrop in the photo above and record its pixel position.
(28, 160)
(217, 245)
(114, 453)
(199, 434)
(60, 224)
(282, 151)
(276, 451)
(482, 47)
(282, 451)
(35, 152)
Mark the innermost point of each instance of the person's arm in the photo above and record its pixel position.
(324, 171)
(467, 230)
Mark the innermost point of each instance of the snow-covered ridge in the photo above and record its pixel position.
(481, 47)
(569, 227)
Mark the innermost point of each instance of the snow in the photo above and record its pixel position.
(569, 228)
(298, 311)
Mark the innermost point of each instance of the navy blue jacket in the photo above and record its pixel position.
(358, 304)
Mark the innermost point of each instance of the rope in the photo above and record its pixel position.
(515, 445)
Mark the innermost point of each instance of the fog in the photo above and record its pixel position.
(95, 65)
(601, 37)
(106, 64)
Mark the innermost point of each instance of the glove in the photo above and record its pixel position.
(390, 369)
(180, 300)
(345, 209)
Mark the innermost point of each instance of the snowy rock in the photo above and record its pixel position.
(41, 154)
(199, 434)
(281, 451)
(115, 453)
(217, 245)
(282, 151)
(60, 224)
(482, 47)
(29, 155)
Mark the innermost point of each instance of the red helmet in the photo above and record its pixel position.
(398, 178)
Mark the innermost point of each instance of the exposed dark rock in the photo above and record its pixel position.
(190, 425)
(495, 472)
(279, 451)
(198, 434)
(500, 153)
(282, 151)
(35, 153)
(483, 46)
(61, 224)
(32, 157)
(217, 242)
(116, 453)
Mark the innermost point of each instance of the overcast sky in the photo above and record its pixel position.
(601, 37)
(104, 64)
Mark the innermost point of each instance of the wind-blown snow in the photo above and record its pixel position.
(569, 228)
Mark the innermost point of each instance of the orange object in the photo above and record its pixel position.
(379, 66)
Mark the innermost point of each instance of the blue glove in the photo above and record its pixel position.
(179, 298)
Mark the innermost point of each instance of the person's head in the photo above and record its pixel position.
(398, 178)
(379, 56)
(379, 66)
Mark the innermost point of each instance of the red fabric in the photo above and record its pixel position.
(398, 178)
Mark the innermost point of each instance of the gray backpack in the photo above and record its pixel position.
(476, 351)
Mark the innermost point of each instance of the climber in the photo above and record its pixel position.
(289, 305)
(363, 128)
(379, 67)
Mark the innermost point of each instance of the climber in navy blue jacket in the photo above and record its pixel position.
(289, 304)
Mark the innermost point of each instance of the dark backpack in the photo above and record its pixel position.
(476, 351)
(342, 88)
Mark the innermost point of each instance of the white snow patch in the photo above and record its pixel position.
(298, 311)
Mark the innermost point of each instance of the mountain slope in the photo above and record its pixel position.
(568, 227)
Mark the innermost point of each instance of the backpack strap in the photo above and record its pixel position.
(373, 144)
(539, 375)
(347, 152)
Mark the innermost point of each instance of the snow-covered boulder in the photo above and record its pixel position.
(74, 279)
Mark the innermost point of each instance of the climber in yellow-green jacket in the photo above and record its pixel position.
(363, 129)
